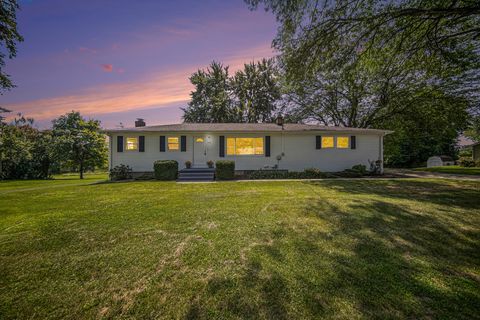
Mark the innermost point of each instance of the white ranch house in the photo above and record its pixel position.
(252, 146)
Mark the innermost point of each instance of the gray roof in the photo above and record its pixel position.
(244, 127)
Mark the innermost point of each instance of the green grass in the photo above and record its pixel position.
(452, 170)
(346, 249)
(56, 181)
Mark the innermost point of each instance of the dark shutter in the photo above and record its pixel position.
(267, 146)
(353, 142)
(141, 143)
(318, 142)
(162, 143)
(119, 143)
(183, 143)
(221, 147)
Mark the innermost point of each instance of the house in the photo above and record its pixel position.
(252, 146)
(476, 151)
(440, 161)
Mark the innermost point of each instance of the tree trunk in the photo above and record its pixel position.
(81, 170)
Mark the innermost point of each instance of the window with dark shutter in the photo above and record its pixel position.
(221, 147)
(318, 142)
(162, 143)
(183, 143)
(353, 142)
(119, 143)
(141, 143)
(267, 146)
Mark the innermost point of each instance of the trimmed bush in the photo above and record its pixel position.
(120, 172)
(313, 173)
(225, 170)
(360, 168)
(165, 169)
(283, 174)
(466, 162)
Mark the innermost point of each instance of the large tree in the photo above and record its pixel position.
(79, 141)
(251, 95)
(9, 37)
(25, 151)
(256, 92)
(211, 100)
(364, 63)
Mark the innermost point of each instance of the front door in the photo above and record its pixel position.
(199, 151)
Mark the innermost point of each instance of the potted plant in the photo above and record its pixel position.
(188, 164)
(210, 163)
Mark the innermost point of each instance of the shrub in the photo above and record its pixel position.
(165, 169)
(225, 169)
(360, 168)
(466, 162)
(313, 173)
(120, 172)
(210, 163)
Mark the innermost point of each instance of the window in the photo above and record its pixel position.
(343, 142)
(327, 142)
(199, 140)
(173, 143)
(244, 146)
(132, 144)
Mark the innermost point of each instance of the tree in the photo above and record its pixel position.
(210, 101)
(256, 91)
(9, 37)
(473, 131)
(372, 63)
(2, 118)
(251, 95)
(79, 141)
(25, 151)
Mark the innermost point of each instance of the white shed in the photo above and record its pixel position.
(440, 161)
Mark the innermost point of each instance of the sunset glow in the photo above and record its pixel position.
(109, 69)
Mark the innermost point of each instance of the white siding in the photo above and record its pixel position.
(299, 151)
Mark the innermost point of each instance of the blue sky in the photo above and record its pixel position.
(118, 60)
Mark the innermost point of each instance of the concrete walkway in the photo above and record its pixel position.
(406, 173)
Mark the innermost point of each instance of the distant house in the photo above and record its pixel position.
(440, 161)
(476, 151)
(252, 146)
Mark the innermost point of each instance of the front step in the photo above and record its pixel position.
(196, 174)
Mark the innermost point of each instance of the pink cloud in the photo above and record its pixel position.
(107, 67)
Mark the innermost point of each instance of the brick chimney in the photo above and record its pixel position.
(139, 123)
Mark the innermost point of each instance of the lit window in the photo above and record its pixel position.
(244, 146)
(327, 142)
(342, 142)
(230, 146)
(173, 143)
(199, 140)
(132, 143)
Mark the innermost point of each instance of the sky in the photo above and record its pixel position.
(118, 60)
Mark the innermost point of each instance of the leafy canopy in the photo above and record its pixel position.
(9, 37)
(79, 141)
(250, 95)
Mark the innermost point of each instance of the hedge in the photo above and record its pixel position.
(120, 172)
(225, 170)
(165, 169)
(357, 171)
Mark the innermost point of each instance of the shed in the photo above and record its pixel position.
(440, 161)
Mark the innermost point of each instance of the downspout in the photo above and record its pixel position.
(380, 156)
(110, 160)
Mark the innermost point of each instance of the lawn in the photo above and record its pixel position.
(280, 250)
(452, 170)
